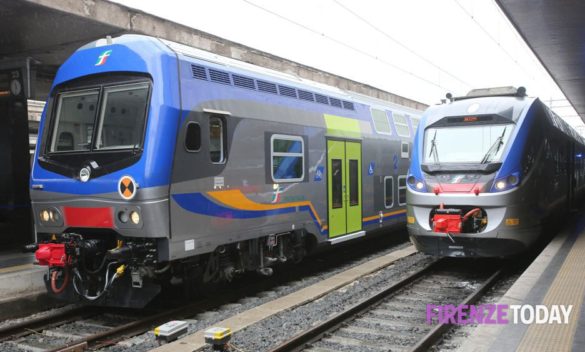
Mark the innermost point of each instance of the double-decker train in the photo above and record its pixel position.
(159, 163)
(487, 170)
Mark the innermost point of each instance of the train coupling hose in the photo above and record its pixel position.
(54, 276)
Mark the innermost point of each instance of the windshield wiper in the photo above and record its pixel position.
(495, 148)
(433, 151)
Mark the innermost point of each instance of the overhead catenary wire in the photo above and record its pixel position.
(341, 43)
(491, 37)
(399, 43)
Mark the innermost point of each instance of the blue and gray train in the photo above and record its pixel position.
(488, 170)
(159, 163)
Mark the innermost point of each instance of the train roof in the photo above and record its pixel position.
(282, 77)
(507, 106)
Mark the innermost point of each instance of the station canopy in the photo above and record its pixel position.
(555, 31)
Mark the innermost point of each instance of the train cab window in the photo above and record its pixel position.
(217, 140)
(66, 142)
(287, 155)
(401, 190)
(193, 137)
(388, 191)
(401, 124)
(74, 110)
(121, 124)
(381, 123)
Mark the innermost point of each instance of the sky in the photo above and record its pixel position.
(419, 49)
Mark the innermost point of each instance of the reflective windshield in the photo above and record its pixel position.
(120, 119)
(466, 144)
(75, 118)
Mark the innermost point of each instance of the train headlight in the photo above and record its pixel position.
(135, 217)
(45, 215)
(506, 183)
(51, 217)
(512, 180)
(123, 217)
(415, 183)
(501, 185)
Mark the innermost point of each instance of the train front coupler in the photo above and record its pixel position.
(85, 266)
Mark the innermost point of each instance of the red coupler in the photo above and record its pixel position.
(51, 254)
(447, 221)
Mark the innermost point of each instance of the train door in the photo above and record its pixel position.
(344, 187)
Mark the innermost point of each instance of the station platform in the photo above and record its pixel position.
(551, 285)
(21, 284)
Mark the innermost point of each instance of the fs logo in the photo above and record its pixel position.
(103, 57)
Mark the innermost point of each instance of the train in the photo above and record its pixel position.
(160, 164)
(488, 171)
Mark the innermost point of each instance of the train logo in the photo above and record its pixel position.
(127, 187)
(103, 57)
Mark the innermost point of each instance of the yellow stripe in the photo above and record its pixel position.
(236, 199)
(374, 217)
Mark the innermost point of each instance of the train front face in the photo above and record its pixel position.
(99, 184)
(470, 190)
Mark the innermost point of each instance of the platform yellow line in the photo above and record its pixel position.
(567, 289)
(240, 321)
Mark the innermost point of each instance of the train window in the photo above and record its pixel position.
(193, 137)
(388, 191)
(401, 124)
(336, 184)
(66, 142)
(405, 150)
(121, 123)
(414, 121)
(288, 158)
(216, 139)
(74, 109)
(381, 123)
(354, 198)
(401, 190)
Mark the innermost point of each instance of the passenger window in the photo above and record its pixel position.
(381, 123)
(401, 124)
(288, 158)
(404, 150)
(388, 191)
(216, 140)
(401, 190)
(193, 137)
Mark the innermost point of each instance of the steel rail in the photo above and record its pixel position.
(315, 333)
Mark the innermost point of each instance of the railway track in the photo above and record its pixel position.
(94, 327)
(395, 318)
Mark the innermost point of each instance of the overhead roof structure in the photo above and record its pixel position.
(555, 31)
(46, 32)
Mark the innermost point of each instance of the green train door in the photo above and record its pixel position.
(344, 187)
